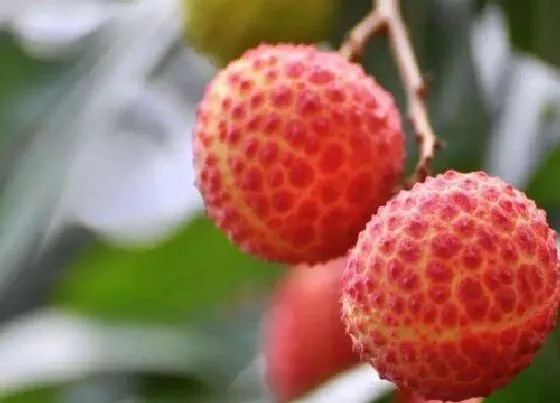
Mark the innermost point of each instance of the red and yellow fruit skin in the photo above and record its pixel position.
(305, 342)
(294, 149)
(406, 396)
(453, 286)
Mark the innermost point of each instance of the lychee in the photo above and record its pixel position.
(305, 342)
(294, 149)
(453, 286)
(224, 29)
(406, 396)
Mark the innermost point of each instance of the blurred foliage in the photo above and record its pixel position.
(543, 187)
(26, 87)
(199, 277)
(37, 395)
(168, 389)
(196, 269)
(539, 382)
(533, 27)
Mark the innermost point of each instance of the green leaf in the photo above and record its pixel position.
(539, 382)
(34, 395)
(197, 269)
(479, 5)
(163, 388)
(27, 87)
(386, 398)
(544, 186)
(533, 27)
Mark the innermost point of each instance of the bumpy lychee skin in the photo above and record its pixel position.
(294, 149)
(305, 343)
(453, 286)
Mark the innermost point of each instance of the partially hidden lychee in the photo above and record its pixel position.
(294, 149)
(223, 29)
(305, 343)
(406, 396)
(453, 286)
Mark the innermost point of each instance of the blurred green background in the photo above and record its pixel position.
(114, 287)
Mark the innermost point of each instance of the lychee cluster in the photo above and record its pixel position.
(452, 286)
(449, 288)
(294, 149)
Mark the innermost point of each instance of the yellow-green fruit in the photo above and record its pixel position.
(224, 29)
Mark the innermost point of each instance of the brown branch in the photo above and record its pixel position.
(385, 16)
(360, 35)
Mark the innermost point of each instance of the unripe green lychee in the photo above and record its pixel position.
(305, 342)
(453, 286)
(406, 396)
(224, 29)
(294, 149)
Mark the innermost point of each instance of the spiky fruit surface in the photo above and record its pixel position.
(453, 286)
(294, 149)
(405, 396)
(305, 342)
(224, 29)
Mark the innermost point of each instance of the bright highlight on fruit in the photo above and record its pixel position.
(294, 149)
(305, 342)
(453, 286)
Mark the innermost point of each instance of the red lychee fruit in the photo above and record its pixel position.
(405, 396)
(294, 149)
(453, 286)
(304, 341)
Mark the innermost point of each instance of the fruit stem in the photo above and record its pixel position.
(385, 17)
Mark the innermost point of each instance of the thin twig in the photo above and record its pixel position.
(360, 35)
(385, 17)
